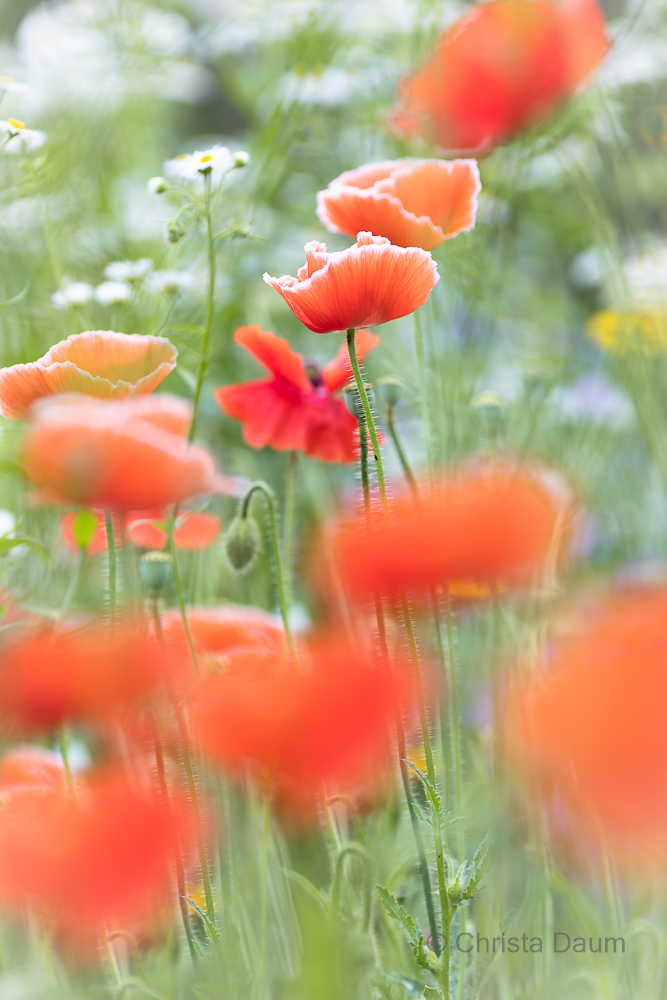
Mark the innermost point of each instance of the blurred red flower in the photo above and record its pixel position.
(216, 632)
(31, 766)
(414, 203)
(117, 455)
(591, 723)
(194, 530)
(47, 676)
(326, 724)
(371, 282)
(92, 865)
(295, 408)
(502, 67)
(489, 524)
(97, 363)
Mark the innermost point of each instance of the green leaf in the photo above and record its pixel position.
(431, 794)
(211, 929)
(469, 875)
(7, 544)
(11, 467)
(424, 957)
(430, 993)
(307, 886)
(84, 528)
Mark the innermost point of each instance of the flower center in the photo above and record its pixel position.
(314, 373)
(15, 123)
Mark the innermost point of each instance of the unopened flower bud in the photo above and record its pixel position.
(157, 185)
(241, 159)
(175, 232)
(84, 528)
(353, 400)
(155, 570)
(242, 543)
(390, 387)
(488, 404)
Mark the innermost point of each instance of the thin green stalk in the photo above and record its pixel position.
(63, 743)
(180, 592)
(423, 391)
(455, 724)
(419, 686)
(111, 547)
(363, 465)
(70, 592)
(288, 523)
(269, 496)
(264, 901)
(405, 465)
(368, 413)
(210, 301)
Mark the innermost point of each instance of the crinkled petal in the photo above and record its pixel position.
(274, 353)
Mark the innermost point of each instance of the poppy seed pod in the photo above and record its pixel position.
(353, 400)
(390, 387)
(242, 543)
(155, 570)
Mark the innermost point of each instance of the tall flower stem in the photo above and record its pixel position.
(63, 743)
(288, 522)
(180, 592)
(423, 390)
(111, 549)
(455, 725)
(370, 423)
(396, 441)
(210, 301)
(269, 496)
(400, 728)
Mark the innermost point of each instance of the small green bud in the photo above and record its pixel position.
(84, 527)
(155, 570)
(241, 159)
(390, 387)
(157, 185)
(242, 543)
(353, 400)
(488, 403)
(175, 233)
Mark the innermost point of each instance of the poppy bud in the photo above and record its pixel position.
(242, 543)
(241, 159)
(84, 528)
(157, 185)
(155, 569)
(353, 400)
(390, 387)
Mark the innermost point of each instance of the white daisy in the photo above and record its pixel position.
(19, 138)
(128, 270)
(9, 86)
(215, 162)
(75, 294)
(112, 292)
(171, 282)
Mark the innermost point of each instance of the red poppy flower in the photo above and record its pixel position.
(194, 530)
(371, 282)
(592, 723)
(99, 863)
(47, 678)
(502, 67)
(296, 407)
(326, 724)
(216, 632)
(31, 766)
(116, 455)
(414, 203)
(97, 363)
(477, 525)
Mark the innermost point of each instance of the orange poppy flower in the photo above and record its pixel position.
(296, 407)
(502, 67)
(31, 766)
(92, 865)
(96, 363)
(49, 677)
(592, 722)
(371, 282)
(194, 530)
(477, 525)
(218, 631)
(115, 454)
(328, 724)
(414, 203)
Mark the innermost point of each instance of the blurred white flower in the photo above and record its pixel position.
(7, 523)
(75, 294)
(19, 138)
(157, 185)
(132, 271)
(646, 274)
(9, 86)
(216, 162)
(112, 292)
(171, 282)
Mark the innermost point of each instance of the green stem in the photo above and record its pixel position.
(423, 390)
(269, 496)
(455, 725)
(171, 520)
(288, 524)
(354, 850)
(72, 586)
(368, 413)
(111, 548)
(264, 900)
(210, 301)
(405, 465)
(363, 466)
(63, 743)
(419, 687)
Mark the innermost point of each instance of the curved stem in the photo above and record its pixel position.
(360, 852)
(269, 496)
(368, 414)
(210, 301)
(111, 547)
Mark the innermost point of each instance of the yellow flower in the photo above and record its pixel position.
(618, 332)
